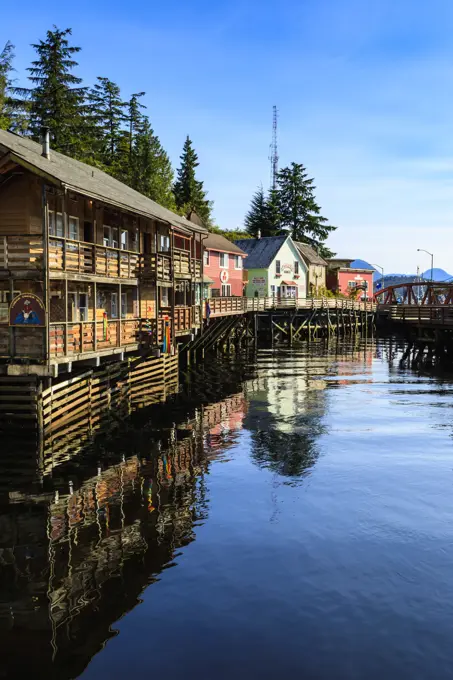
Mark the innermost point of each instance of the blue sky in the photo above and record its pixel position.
(364, 92)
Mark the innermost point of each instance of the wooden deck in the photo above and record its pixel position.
(439, 316)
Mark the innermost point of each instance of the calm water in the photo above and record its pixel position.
(297, 522)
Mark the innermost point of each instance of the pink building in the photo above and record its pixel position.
(223, 262)
(342, 278)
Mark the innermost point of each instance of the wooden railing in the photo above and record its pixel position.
(90, 258)
(422, 315)
(223, 306)
(185, 265)
(77, 337)
(156, 266)
(183, 319)
(21, 252)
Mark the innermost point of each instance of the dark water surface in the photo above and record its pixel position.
(297, 522)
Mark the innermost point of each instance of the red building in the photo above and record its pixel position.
(223, 263)
(342, 278)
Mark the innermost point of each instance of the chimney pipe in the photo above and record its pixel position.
(45, 141)
(258, 235)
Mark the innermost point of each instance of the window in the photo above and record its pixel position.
(224, 260)
(273, 290)
(226, 290)
(77, 306)
(277, 267)
(206, 258)
(56, 225)
(123, 305)
(237, 262)
(114, 306)
(110, 236)
(164, 243)
(74, 228)
(296, 268)
(352, 284)
(164, 297)
(124, 239)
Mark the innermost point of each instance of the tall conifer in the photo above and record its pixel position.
(55, 100)
(189, 192)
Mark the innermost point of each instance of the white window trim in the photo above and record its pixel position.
(227, 265)
(207, 258)
(57, 214)
(226, 286)
(237, 262)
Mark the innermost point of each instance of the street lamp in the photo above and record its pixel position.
(422, 250)
(382, 272)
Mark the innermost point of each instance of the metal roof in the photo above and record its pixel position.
(309, 254)
(260, 251)
(87, 180)
(222, 244)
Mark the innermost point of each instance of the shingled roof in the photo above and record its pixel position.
(222, 244)
(87, 180)
(260, 251)
(309, 254)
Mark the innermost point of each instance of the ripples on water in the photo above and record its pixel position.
(292, 518)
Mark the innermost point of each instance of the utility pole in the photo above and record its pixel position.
(273, 152)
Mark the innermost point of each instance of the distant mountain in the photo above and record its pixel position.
(361, 264)
(438, 274)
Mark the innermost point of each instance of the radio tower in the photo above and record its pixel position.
(273, 153)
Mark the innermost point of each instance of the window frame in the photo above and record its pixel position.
(206, 258)
(296, 268)
(222, 261)
(53, 229)
(77, 221)
(278, 267)
(114, 296)
(237, 262)
(226, 286)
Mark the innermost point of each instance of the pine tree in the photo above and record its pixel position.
(6, 68)
(108, 113)
(263, 215)
(189, 193)
(54, 100)
(300, 215)
(151, 171)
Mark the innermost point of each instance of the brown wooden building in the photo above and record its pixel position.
(89, 268)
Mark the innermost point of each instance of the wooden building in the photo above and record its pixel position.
(89, 268)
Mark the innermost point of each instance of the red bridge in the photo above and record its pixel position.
(419, 303)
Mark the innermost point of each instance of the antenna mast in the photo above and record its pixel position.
(273, 153)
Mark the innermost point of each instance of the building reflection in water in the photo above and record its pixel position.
(78, 546)
(288, 401)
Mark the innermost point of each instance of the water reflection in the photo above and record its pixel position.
(79, 545)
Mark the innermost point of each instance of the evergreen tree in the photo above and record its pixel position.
(263, 215)
(107, 111)
(151, 171)
(6, 68)
(300, 215)
(55, 100)
(188, 191)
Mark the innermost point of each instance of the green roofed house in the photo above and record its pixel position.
(274, 266)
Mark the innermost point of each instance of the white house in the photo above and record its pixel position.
(275, 267)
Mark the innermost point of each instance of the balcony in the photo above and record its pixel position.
(79, 257)
(185, 267)
(79, 337)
